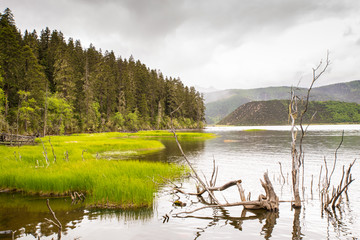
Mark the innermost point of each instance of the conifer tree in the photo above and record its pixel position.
(10, 60)
(54, 86)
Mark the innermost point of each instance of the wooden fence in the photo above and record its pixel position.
(16, 140)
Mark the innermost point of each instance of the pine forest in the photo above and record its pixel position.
(50, 85)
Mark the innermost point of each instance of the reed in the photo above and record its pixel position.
(76, 163)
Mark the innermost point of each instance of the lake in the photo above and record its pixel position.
(240, 154)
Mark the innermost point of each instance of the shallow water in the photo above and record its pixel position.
(239, 154)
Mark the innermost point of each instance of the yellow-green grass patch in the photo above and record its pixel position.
(78, 163)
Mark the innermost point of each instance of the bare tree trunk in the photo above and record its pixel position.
(295, 164)
(297, 152)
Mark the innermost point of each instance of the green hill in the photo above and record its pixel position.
(220, 104)
(275, 112)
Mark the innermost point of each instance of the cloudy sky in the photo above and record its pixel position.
(212, 43)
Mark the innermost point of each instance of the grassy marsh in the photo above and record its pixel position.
(78, 163)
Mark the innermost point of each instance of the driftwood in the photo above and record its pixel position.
(269, 202)
(76, 197)
(187, 160)
(220, 188)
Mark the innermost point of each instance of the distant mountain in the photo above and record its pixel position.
(275, 112)
(205, 89)
(219, 104)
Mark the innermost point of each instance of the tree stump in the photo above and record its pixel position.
(269, 202)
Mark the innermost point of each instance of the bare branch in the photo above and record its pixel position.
(241, 192)
(58, 223)
(220, 188)
(177, 109)
(282, 172)
(187, 160)
(335, 158)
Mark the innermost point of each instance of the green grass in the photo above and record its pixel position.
(81, 165)
(180, 135)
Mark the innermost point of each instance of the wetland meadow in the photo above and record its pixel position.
(147, 157)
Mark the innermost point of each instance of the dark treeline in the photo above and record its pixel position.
(53, 86)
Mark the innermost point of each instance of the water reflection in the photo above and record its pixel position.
(171, 151)
(296, 232)
(247, 156)
(26, 215)
(269, 224)
(267, 218)
(339, 219)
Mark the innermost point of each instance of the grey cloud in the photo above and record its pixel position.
(348, 32)
(156, 19)
(182, 37)
(228, 21)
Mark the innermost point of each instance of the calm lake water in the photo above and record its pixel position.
(244, 155)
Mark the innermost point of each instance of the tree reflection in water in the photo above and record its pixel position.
(296, 233)
(339, 218)
(237, 222)
(26, 215)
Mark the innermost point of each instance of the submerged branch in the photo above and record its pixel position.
(56, 222)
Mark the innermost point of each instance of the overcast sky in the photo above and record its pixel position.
(212, 43)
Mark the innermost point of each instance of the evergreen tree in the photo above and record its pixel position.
(3, 123)
(10, 60)
(64, 73)
(52, 86)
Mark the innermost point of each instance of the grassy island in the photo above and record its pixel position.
(89, 164)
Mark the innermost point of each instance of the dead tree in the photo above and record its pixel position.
(296, 116)
(335, 198)
(270, 201)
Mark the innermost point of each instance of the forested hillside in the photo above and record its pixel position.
(50, 85)
(220, 104)
(275, 112)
